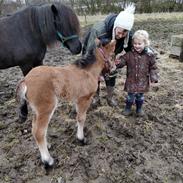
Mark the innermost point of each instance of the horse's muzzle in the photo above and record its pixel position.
(74, 47)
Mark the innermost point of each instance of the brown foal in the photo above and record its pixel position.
(77, 82)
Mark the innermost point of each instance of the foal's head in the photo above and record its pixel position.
(107, 45)
(105, 50)
(101, 47)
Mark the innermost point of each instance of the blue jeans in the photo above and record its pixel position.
(132, 97)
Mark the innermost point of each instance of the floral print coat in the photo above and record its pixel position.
(141, 69)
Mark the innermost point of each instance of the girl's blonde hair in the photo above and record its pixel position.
(142, 34)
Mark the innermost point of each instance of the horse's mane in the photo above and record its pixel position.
(43, 16)
(43, 22)
(88, 59)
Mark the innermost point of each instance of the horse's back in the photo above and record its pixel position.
(68, 82)
(17, 42)
(38, 82)
(40, 74)
(74, 82)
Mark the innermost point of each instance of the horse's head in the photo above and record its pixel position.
(106, 46)
(67, 27)
(106, 49)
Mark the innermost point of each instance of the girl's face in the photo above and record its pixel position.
(138, 45)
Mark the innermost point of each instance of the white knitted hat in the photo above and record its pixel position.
(125, 19)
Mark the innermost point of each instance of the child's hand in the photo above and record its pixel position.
(113, 68)
(120, 54)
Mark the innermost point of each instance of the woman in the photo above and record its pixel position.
(116, 27)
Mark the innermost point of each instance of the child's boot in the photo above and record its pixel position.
(127, 111)
(139, 110)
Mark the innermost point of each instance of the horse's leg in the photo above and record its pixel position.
(39, 130)
(26, 68)
(38, 62)
(23, 111)
(23, 108)
(82, 106)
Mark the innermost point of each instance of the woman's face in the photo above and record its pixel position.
(120, 33)
(138, 45)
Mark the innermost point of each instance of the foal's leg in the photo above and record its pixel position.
(39, 130)
(82, 106)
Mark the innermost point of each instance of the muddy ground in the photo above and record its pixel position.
(120, 149)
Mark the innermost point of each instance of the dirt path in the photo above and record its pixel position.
(119, 149)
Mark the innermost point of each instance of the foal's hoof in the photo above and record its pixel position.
(83, 141)
(47, 166)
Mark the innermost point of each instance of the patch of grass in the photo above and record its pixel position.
(2, 125)
(7, 178)
(8, 146)
(99, 126)
(89, 20)
(178, 16)
(148, 126)
(102, 139)
(159, 16)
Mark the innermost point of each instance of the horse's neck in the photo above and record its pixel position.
(97, 67)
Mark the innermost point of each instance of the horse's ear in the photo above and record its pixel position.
(54, 9)
(113, 42)
(97, 42)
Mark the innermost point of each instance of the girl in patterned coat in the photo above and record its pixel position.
(141, 70)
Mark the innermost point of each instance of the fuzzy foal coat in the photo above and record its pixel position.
(44, 85)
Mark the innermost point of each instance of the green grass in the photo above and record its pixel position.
(88, 20)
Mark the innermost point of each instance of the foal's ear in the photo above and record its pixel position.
(54, 9)
(113, 45)
(113, 42)
(97, 42)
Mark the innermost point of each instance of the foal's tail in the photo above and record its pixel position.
(21, 99)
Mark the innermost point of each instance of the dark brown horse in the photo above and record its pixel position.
(43, 86)
(25, 35)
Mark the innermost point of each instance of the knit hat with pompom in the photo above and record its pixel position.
(125, 19)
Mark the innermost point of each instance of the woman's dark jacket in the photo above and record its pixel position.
(103, 31)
